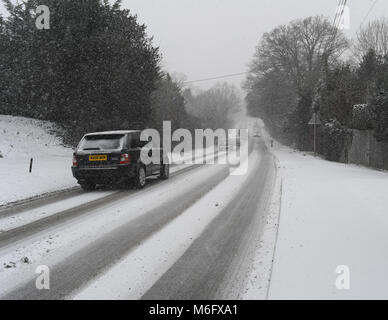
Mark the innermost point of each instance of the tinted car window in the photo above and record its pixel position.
(127, 141)
(134, 140)
(136, 143)
(102, 142)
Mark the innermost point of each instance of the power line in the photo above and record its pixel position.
(343, 5)
(368, 13)
(340, 5)
(216, 78)
(337, 20)
(334, 28)
(333, 32)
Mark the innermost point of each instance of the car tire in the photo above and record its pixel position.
(141, 178)
(164, 172)
(88, 186)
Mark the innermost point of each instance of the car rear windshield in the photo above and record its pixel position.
(102, 142)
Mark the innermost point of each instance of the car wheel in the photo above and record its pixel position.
(141, 178)
(88, 186)
(165, 172)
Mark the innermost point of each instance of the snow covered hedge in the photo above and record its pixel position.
(362, 117)
(380, 109)
(333, 140)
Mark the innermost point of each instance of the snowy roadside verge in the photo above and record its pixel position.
(332, 215)
(22, 139)
(50, 174)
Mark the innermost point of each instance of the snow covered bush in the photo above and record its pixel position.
(380, 109)
(333, 140)
(362, 117)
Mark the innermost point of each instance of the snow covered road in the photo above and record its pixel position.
(119, 244)
(216, 265)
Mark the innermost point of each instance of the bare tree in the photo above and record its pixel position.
(216, 105)
(373, 37)
(288, 71)
(300, 50)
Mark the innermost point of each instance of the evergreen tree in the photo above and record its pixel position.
(95, 68)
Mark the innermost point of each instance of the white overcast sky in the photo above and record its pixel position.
(209, 38)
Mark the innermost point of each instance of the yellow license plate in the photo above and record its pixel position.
(98, 158)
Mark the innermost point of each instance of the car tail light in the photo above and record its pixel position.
(75, 162)
(125, 158)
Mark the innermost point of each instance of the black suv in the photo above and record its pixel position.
(114, 156)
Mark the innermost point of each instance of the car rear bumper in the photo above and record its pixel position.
(104, 174)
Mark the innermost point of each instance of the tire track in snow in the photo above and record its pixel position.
(28, 204)
(13, 236)
(209, 269)
(85, 264)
